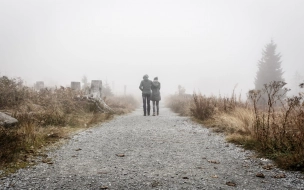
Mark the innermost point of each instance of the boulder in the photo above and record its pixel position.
(75, 85)
(6, 120)
(96, 88)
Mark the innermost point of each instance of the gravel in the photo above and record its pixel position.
(152, 152)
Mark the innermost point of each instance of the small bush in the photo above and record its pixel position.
(12, 92)
(203, 107)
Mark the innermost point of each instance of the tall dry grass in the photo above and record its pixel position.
(269, 122)
(238, 120)
(179, 103)
(45, 116)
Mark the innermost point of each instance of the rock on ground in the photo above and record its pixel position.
(6, 120)
(153, 152)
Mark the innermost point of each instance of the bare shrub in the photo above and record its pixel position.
(279, 126)
(12, 92)
(203, 107)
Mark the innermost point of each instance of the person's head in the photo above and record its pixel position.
(156, 78)
(145, 76)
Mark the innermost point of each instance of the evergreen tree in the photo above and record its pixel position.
(269, 67)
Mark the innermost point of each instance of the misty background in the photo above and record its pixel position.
(206, 46)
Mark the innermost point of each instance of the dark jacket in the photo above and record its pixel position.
(155, 91)
(145, 86)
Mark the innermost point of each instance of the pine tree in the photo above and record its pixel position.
(269, 67)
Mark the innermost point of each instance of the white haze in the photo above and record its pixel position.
(207, 46)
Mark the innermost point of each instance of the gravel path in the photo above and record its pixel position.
(162, 152)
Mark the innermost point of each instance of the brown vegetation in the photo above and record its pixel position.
(121, 104)
(274, 129)
(180, 104)
(45, 116)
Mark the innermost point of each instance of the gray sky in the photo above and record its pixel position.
(207, 46)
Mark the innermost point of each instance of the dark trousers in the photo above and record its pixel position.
(146, 103)
(157, 106)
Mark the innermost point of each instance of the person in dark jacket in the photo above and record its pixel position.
(145, 87)
(155, 95)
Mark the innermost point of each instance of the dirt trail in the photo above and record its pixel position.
(164, 152)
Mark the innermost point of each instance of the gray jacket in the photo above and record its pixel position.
(155, 91)
(145, 86)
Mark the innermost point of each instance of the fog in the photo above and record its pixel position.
(205, 46)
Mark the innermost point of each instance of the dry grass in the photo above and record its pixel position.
(20, 145)
(274, 130)
(122, 104)
(45, 117)
(180, 104)
(237, 121)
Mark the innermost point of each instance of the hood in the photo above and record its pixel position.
(145, 77)
(155, 83)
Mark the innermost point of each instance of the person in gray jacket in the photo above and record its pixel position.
(145, 87)
(155, 95)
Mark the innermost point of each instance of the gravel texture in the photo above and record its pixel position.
(153, 152)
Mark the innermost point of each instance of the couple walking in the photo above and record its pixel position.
(146, 86)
